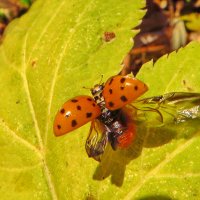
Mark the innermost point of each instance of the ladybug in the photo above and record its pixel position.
(110, 121)
(114, 109)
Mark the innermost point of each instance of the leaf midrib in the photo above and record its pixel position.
(154, 171)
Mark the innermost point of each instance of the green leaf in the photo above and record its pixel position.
(25, 2)
(171, 171)
(163, 162)
(192, 21)
(46, 57)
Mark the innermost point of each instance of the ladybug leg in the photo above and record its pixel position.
(112, 137)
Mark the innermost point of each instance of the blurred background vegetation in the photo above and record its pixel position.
(177, 23)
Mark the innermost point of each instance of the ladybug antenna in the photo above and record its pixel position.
(100, 82)
(86, 88)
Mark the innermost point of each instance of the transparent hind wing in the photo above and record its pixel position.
(97, 140)
(173, 107)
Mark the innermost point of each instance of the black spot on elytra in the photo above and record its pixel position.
(59, 126)
(78, 107)
(111, 80)
(110, 91)
(74, 100)
(123, 98)
(122, 80)
(94, 104)
(88, 115)
(62, 111)
(111, 104)
(89, 99)
(136, 88)
(121, 88)
(74, 123)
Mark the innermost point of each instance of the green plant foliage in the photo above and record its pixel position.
(172, 170)
(47, 56)
(26, 2)
(192, 21)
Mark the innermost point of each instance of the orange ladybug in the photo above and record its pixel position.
(109, 122)
(113, 110)
(117, 92)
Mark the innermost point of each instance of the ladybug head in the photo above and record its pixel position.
(97, 89)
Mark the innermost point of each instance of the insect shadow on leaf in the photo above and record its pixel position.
(177, 117)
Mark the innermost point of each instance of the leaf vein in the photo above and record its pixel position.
(59, 64)
(37, 130)
(19, 139)
(187, 175)
(153, 172)
(19, 169)
(45, 29)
